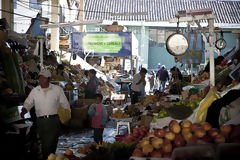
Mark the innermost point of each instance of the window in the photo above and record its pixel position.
(15, 4)
(34, 4)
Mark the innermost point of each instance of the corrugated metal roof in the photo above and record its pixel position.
(159, 10)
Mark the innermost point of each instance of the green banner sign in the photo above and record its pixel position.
(102, 43)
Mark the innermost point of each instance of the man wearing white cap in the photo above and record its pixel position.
(46, 98)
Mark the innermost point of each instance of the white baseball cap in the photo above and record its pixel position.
(46, 73)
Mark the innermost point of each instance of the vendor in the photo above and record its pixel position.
(175, 83)
(92, 85)
(59, 74)
(138, 85)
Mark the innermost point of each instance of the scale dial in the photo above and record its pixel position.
(177, 44)
(220, 43)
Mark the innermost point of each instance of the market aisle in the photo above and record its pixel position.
(74, 139)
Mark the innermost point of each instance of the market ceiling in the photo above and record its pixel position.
(227, 12)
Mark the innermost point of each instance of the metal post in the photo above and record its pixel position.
(211, 52)
(41, 52)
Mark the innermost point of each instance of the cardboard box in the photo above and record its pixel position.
(84, 102)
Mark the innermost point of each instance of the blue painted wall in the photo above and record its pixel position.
(231, 42)
(159, 54)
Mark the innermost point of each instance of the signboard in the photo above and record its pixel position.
(102, 43)
(195, 49)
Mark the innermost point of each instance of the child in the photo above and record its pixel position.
(99, 115)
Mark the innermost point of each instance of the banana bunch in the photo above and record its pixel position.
(69, 86)
(205, 104)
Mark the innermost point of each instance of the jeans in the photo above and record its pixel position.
(49, 131)
(162, 86)
(134, 96)
(98, 135)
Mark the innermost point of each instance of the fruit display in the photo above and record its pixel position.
(67, 155)
(116, 150)
(202, 77)
(162, 114)
(119, 114)
(150, 99)
(178, 134)
(132, 110)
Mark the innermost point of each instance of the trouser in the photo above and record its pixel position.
(135, 96)
(162, 86)
(98, 135)
(49, 131)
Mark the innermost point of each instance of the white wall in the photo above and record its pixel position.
(21, 24)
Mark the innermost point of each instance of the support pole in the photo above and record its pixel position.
(41, 52)
(55, 31)
(211, 52)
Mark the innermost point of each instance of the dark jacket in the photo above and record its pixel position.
(163, 75)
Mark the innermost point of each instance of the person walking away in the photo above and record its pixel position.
(151, 80)
(138, 85)
(92, 85)
(163, 78)
(46, 98)
(99, 115)
(159, 67)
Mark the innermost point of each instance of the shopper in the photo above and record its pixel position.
(151, 80)
(92, 85)
(163, 78)
(99, 115)
(46, 98)
(138, 85)
(59, 74)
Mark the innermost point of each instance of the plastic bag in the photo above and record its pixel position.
(64, 115)
(205, 104)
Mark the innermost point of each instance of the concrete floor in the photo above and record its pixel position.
(74, 139)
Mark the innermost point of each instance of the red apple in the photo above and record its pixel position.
(159, 132)
(150, 134)
(170, 135)
(167, 147)
(235, 134)
(157, 142)
(186, 124)
(213, 132)
(195, 126)
(167, 155)
(186, 129)
(207, 139)
(172, 122)
(194, 139)
(137, 153)
(206, 126)
(175, 128)
(187, 136)
(142, 133)
(156, 153)
(144, 128)
(200, 132)
(225, 130)
(135, 130)
(219, 139)
(135, 134)
(179, 141)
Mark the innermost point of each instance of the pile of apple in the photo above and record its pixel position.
(162, 142)
(137, 135)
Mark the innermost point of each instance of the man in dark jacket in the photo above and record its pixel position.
(163, 78)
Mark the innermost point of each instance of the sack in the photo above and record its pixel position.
(205, 104)
(64, 115)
